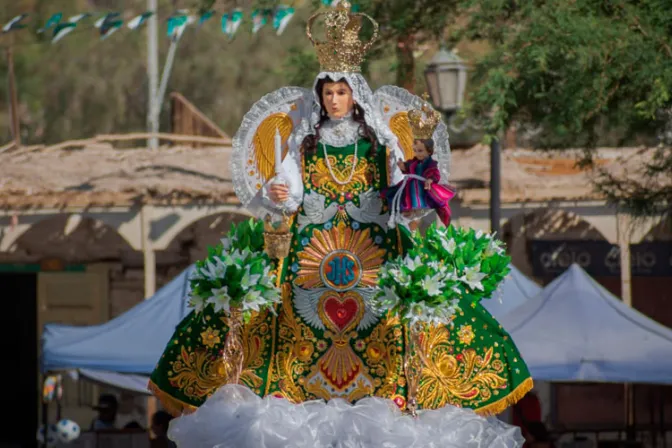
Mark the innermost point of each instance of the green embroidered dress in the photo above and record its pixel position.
(325, 342)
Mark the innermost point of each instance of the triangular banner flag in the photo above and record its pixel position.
(61, 30)
(259, 19)
(231, 22)
(54, 20)
(205, 16)
(140, 20)
(15, 24)
(177, 23)
(282, 16)
(79, 17)
(108, 24)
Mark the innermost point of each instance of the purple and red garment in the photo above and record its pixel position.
(415, 197)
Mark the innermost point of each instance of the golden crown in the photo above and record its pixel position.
(423, 129)
(342, 51)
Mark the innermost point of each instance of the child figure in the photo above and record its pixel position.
(420, 190)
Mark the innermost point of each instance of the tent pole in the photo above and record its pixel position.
(149, 261)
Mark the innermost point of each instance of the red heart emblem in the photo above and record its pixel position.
(341, 313)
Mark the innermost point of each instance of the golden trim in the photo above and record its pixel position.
(173, 405)
(502, 404)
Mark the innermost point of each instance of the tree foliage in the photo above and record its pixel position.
(581, 70)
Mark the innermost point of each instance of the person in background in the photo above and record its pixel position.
(107, 413)
(527, 416)
(160, 422)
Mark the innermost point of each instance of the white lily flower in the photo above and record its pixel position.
(493, 248)
(197, 303)
(226, 243)
(412, 263)
(267, 280)
(220, 299)
(249, 280)
(472, 277)
(432, 285)
(449, 246)
(400, 276)
(272, 295)
(214, 271)
(253, 300)
(388, 300)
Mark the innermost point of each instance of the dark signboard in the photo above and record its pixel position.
(600, 258)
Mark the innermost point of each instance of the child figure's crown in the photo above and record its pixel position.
(423, 129)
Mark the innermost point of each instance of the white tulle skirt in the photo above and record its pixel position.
(234, 417)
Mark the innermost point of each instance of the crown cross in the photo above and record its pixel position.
(343, 50)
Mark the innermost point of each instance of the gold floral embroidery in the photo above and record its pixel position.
(463, 379)
(291, 337)
(324, 183)
(197, 374)
(466, 334)
(383, 355)
(256, 335)
(210, 337)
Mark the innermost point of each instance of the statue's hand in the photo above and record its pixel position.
(278, 193)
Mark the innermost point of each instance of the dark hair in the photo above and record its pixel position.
(162, 418)
(309, 143)
(429, 144)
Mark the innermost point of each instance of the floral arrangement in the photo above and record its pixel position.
(446, 269)
(237, 274)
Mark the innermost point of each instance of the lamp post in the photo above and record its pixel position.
(446, 77)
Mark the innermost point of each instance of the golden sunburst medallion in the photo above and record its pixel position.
(340, 258)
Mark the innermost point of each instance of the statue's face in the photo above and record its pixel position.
(337, 99)
(420, 150)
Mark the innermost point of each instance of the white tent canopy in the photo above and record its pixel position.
(575, 330)
(516, 290)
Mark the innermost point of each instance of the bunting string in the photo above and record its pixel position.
(58, 26)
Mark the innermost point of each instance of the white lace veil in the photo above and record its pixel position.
(363, 96)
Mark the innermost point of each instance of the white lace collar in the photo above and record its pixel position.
(340, 132)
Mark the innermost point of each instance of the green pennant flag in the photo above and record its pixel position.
(140, 20)
(282, 16)
(15, 24)
(231, 22)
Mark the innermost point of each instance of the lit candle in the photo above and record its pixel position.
(278, 151)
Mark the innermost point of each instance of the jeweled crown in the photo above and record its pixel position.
(423, 128)
(343, 50)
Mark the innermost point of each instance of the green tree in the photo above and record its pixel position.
(581, 70)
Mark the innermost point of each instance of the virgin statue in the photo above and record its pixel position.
(326, 369)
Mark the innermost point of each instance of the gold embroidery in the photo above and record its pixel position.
(466, 334)
(382, 354)
(357, 245)
(324, 182)
(255, 338)
(198, 373)
(210, 337)
(449, 379)
(291, 336)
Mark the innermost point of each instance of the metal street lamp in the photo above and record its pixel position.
(446, 77)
